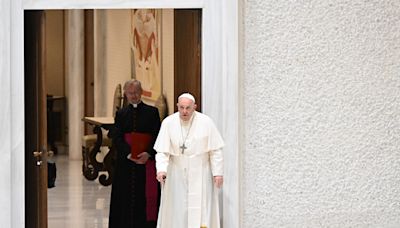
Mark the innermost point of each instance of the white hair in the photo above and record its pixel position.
(187, 95)
(133, 82)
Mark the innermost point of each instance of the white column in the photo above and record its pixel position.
(17, 150)
(230, 113)
(5, 117)
(221, 99)
(75, 80)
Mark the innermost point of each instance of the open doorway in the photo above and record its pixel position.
(186, 76)
(221, 95)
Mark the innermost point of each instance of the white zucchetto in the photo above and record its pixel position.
(187, 95)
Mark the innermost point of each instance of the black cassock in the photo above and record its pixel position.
(128, 201)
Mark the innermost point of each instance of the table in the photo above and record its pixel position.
(91, 167)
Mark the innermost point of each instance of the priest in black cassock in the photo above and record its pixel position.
(135, 190)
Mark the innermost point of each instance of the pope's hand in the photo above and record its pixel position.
(161, 176)
(218, 180)
(142, 158)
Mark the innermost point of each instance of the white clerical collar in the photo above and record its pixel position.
(135, 105)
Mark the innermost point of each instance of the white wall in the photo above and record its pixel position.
(321, 114)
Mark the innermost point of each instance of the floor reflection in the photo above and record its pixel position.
(76, 202)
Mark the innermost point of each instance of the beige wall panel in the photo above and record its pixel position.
(55, 52)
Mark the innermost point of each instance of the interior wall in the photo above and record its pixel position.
(321, 114)
(117, 49)
(55, 52)
(117, 56)
(167, 49)
(55, 78)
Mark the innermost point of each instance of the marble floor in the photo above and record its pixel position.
(76, 202)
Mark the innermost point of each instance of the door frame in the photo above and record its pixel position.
(220, 90)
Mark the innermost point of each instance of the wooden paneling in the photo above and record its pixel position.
(187, 53)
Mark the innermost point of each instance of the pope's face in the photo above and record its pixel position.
(186, 107)
(133, 93)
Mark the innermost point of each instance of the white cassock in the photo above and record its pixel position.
(189, 198)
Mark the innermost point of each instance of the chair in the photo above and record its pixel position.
(88, 141)
(161, 105)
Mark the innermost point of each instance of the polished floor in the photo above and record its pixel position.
(76, 202)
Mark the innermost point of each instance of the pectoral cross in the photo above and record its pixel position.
(183, 147)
